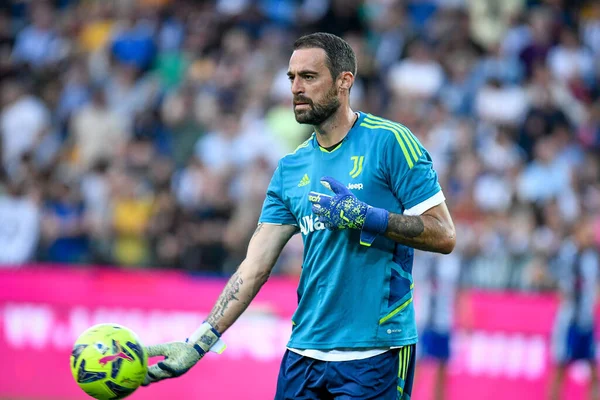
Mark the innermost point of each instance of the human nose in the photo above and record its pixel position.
(297, 87)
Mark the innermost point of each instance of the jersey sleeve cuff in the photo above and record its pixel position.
(425, 205)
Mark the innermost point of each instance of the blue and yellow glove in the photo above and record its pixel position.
(344, 210)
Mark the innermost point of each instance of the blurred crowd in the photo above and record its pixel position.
(143, 133)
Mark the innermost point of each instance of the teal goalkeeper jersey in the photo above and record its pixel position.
(351, 296)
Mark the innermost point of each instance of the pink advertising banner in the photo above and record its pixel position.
(500, 348)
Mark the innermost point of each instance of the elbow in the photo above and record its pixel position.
(263, 276)
(449, 242)
(257, 269)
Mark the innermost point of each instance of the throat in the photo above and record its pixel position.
(333, 146)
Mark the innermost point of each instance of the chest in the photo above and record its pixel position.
(357, 166)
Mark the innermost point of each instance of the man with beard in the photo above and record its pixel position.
(354, 332)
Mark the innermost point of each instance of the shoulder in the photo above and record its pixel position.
(299, 153)
(385, 129)
(394, 137)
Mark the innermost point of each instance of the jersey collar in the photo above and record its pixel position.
(355, 127)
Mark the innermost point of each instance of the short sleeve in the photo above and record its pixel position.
(274, 210)
(412, 178)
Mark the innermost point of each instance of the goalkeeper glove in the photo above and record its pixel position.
(181, 356)
(345, 210)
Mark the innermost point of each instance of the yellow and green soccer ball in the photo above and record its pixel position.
(108, 362)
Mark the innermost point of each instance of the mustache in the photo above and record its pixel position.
(301, 99)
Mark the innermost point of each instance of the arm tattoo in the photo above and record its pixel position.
(423, 232)
(228, 295)
(407, 226)
(251, 275)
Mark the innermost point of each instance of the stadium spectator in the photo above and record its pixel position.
(39, 44)
(188, 102)
(19, 225)
(96, 132)
(24, 121)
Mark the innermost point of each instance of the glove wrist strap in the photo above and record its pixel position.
(376, 222)
(206, 338)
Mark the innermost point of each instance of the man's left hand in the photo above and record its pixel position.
(344, 210)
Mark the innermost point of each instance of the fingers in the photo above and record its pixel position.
(157, 350)
(317, 209)
(319, 198)
(333, 185)
(179, 358)
(155, 373)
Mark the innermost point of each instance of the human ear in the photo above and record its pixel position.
(346, 80)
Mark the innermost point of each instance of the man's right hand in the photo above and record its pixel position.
(181, 356)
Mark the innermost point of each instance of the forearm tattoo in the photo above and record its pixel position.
(239, 293)
(229, 294)
(407, 226)
(423, 232)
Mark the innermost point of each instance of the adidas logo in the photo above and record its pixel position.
(304, 181)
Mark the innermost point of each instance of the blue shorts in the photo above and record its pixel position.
(573, 344)
(435, 345)
(388, 376)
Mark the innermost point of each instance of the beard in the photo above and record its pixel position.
(318, 112)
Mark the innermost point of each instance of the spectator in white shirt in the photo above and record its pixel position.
(419, 75)
(19, 227)
(501, 104)
(569, 60)
(23, 123)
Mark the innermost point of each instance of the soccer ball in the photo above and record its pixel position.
(108, 362)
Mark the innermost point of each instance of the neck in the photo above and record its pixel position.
(336, 127)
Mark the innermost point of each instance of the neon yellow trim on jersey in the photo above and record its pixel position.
(412, 138)
(402, 362)
(293, 323)
(332, 150)
(365, 243)
(396, 311)
(401, 368)
(401, 131)
(409, 134)
(412, 285)
(406, 362)
(303, 145)
(400, 141)
(401, 390)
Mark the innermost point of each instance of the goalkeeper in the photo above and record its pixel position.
(363, 193)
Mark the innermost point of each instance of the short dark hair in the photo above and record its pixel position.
(340, 56)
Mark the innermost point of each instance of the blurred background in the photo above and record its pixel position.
(138, 138)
